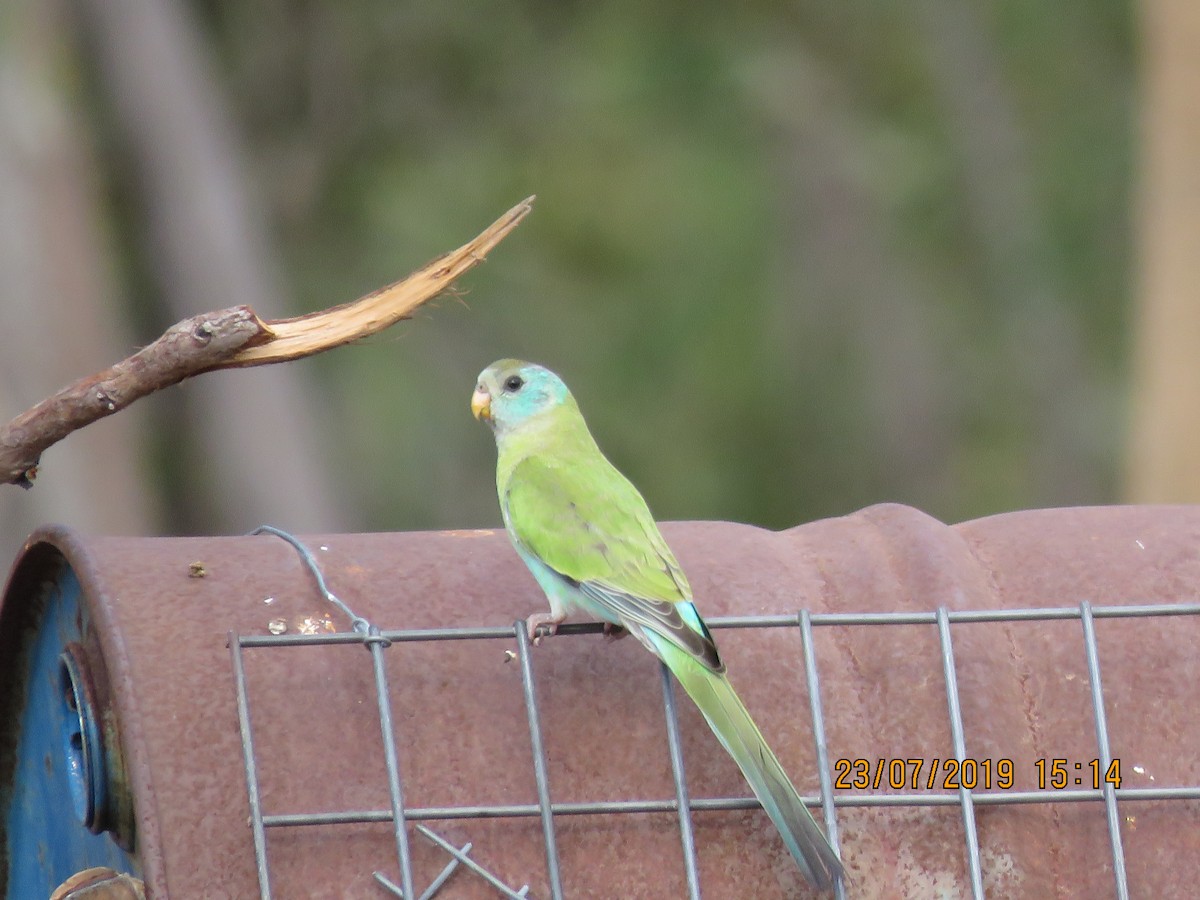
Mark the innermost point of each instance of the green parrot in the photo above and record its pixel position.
(588, 537)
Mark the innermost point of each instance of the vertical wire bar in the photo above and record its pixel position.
(1110, 796)
(539, 761)
(256, 819)
(960, 752)
(376, 644)
(675, 748)
(824, 773)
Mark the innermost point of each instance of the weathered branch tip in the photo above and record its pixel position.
(229, 338)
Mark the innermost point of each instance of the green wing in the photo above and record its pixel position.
(590, 525)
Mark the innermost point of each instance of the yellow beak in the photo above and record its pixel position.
(481, 405)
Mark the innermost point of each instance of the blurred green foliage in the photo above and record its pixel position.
(792, 258)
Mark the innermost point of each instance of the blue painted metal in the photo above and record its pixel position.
(61, 774)
(84, 751)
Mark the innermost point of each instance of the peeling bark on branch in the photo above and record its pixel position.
(230, 338)
(186, 348)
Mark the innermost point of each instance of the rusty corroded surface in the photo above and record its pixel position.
(463, 740)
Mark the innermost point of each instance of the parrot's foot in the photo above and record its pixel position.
(537, 620)
(613, 632)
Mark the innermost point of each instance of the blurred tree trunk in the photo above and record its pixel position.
(1164, 446)
(843, 284)
(57, 310)
(1040, 333)
(260, 432)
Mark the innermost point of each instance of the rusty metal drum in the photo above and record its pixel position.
(1002, 707)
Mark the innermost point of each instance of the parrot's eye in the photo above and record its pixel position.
(513, 383)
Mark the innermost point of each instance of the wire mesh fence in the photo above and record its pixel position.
(967, 799)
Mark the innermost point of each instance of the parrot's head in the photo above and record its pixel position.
(512, 392)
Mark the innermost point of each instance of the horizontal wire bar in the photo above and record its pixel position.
(764, 621)
(415, 634)
(604, 807)
(1039, 614)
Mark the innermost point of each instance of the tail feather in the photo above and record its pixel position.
(731, 722)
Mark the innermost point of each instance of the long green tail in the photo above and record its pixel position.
(731, 723)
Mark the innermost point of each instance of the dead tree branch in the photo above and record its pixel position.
(231, 338)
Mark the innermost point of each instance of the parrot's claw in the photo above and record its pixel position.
(537, 620)
(613, 632)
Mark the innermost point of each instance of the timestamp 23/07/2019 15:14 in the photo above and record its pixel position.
(972, 774)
